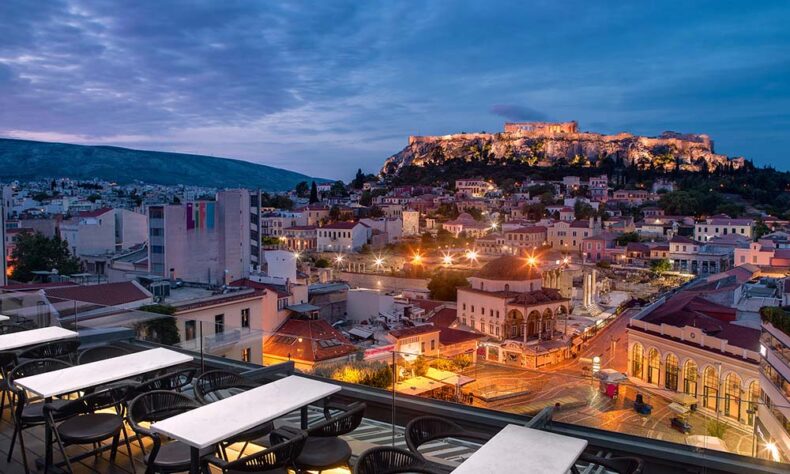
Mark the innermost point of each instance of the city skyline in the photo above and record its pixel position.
(327, 89)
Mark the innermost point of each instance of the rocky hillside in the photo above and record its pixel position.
(24, 159)
(547, 144)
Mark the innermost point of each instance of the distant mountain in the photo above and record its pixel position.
(25, 159)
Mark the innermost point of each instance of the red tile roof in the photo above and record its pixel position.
(95, 212)
(246, 282)
(219, 299)
(308, 340)
(413, 331)
(450, 336)
(444, 318)
(343, 225)
(427, 305)
(106, 294)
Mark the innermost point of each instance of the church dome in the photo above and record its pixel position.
(508, 267)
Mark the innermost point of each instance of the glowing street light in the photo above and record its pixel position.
(532, 261)
(447, 259)
(471, 255)
(379, 262)
(339, 259)
(297, 255)
(417, 259)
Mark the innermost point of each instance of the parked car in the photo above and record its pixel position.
(641, 407)
(681, 425)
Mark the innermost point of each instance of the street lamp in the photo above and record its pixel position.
(417, 259)
(471, 255)
(379, 262)
(447, 259)
(339, 259)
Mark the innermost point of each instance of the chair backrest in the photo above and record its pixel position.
(423, 429)
(97, 353)
(65, 349)
(113, 397)
(286, 449)
(214, 385)
(175, 381)
(8, 360)
(389, 460)
(14, 328)
(340, 424)
(155, 406)
(26, 369)
(620, 465)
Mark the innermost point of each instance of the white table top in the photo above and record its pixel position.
(520, 449)
(212, 423)
(3, 318)
(34, 336)
(84, 376)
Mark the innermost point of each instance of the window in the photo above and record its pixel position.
(671, 372)
(245, 317)
(219, 324)
(246, 354)
(433, 344)
(189, 330)
(464, 306)
(157, 231)
(422, 347)
(157, 249)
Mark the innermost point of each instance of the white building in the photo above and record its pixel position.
(473, 187)
(411, 223)
(104, 231)
(722, 225)
(393, 228)
(342, 237)
(773, 427)
(280, 264)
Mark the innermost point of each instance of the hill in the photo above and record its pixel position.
(28, 160)
(547, 144)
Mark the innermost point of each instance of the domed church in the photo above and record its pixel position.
(526, 322)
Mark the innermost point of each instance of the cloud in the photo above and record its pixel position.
(518, 113)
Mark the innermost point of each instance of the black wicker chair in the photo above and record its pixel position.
(97, 353)
(324, 449)
(28, 411)
(620, 465)
(387, 460)
(8, 361)
(175, 381)
(276, 459)
(62, 350)
(80, 423)
(214, 385)
(15, 327)
(424, 429)
(156, 406)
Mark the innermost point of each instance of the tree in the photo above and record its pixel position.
(313, 193)
(94, 197)
(359, 179)
(626, 238)
(338, 189)
(444, 285)
(302, 189)
(38, 252)
(760, 229)
(660, 266)
(366, 199)
(334, 213)
(161, 330)
(322, 263)
(583, 210)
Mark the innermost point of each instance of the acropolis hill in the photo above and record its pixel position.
(550, 144)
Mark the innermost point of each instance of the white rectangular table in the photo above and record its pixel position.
(520, 449)
(34, 336)
(80, 377)
(3, 318)
(223, 419)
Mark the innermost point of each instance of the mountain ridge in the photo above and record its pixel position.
(30, 159)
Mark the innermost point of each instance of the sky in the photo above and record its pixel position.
(326, 87)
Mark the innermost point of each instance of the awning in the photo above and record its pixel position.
(303, 308)
(447, 377)
(360, 333)
(417, 385)
(678, 408)
(685, 399)
(707, 442)
(611, 376)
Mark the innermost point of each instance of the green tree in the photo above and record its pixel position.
(313, 193)
(660, 266)
(160, 330)
(583, 210)
(94, 197)
(366, 199)
(334, 213)
(35, 251)
(302, 189)
(359, 179)
(322, 263)
(760, 229)
(444, 285)
(338, 189)
(628, 237)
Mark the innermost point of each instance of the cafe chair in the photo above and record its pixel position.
(29, 411)
(81, 423)
(147, 408)
(215, 385)
(388, 460)
(273, 460)
(62, 350)
(619, 465)
(8, 361)
(175, 381)
(324, 449)
(97, 353)
(425, 429)
(15, 327)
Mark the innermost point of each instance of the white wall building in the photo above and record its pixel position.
(342, 237)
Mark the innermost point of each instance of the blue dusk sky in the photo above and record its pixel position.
(325, 87)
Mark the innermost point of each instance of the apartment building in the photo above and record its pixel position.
(342, 237)
(104, 231)
(721, 225)
(201, 241)
(773, 422)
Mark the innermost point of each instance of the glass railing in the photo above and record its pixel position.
(713, 417)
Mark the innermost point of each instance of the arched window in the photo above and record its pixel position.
(637, 356)
(653, 366)
(732, 396)
(671, 371)
(690, 378)
(754, 400)
(710, 389)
